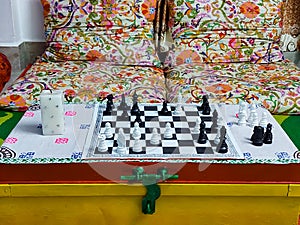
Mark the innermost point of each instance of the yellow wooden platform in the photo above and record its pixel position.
(112, 204)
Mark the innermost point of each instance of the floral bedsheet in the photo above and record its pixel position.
(84, 82)
(276, 86)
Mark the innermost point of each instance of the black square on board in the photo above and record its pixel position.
(171, 150)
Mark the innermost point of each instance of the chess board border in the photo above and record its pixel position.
(89, 152)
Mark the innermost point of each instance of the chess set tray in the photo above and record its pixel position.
(182, 146)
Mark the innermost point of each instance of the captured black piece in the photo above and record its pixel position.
(257, 136)
(268, 136)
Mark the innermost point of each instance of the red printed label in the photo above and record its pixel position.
(11, 140)
(29, 114)
(62, 141)
(70, 113)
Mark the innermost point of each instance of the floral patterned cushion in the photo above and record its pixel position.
(191, 17)
(125, 46)
(115, 31)
(276, 86)
(84, 82)
(210, 49)
(225, 31)
(97, 13)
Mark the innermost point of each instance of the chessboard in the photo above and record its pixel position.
(160, 131)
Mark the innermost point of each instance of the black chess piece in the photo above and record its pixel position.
(222, 146)
(123, 105)
(108, 109)
(138, 117)
(268, 136)
(134, 109)
(206, 109)
(202, 125)
(124, 115)
(164, 110)
(214, 125)
(134, 98)
(257, 136)
(204, 101)
(202, 138)
(110, 98)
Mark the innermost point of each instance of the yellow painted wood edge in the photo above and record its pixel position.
(81, 190)
(294, 190)
(5, 190)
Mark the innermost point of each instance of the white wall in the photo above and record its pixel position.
(20, 20)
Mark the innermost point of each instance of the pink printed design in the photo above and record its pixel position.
(70, 113)
(29, 114)
(11, 140)
(62, 141)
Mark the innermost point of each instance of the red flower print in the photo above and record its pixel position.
(148, 9)
(188, 57)
(219, 88)
(250, 10)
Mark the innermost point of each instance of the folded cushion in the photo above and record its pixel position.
(125, 46)
(207, 15)
(114, 31)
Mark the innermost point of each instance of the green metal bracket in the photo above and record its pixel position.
(150, 182)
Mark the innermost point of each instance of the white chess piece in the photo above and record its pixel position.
(121, 141)
(254, 121)
(155, 138)
(252, 113)
(196, 129)
(136, 134)
(220, 123)
(102, 147)
(137, 145)
(108, 132)
(168, 131)
(178, 108)
(264, 121)
(243, 108)
(242, 119)
(217, 138)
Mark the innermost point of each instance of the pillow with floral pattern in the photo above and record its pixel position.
(191, 17)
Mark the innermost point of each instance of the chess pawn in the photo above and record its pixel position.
(254, 121)
(136, 134)
(168, 131)
(102, 147)
(263, 122)
(242, 119)
(137, 146)
(155, 138)
(268, 136)
(202, 139)
(243, 108)
(108, 132)
(218, 136)
(196, 129)
(178, 109)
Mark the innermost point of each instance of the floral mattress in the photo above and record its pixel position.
(276, 86)
(84, 82)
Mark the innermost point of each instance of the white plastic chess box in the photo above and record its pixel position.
(183, 144)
